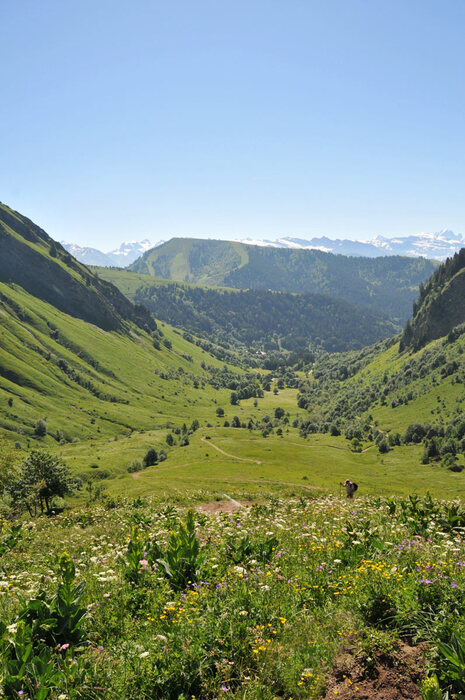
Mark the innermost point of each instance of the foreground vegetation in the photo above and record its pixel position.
(141, 599)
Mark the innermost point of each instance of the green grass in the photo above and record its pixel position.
(297, 598)
(113, 435)
(256, 467)
(125, 367)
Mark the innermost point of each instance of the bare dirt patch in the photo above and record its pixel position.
(393, 677)
(225, 506)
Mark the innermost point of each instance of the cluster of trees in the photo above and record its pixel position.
(179, 435)
(150, 459)
(267, 424)
(262, 319)
(331, 399)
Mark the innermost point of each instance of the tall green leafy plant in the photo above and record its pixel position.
(181, 560)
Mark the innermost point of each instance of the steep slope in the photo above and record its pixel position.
(255, 318)
(440, 306)
(77, 354)
(387, 284)
(89, 383)
(34, 261)
(380, 395)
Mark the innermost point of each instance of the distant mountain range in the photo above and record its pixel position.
(123, 256)
(436, 246)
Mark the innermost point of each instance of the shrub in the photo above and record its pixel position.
(134, 466)
(415, 433)
(40, 428)
(151, 457)
(383, 446)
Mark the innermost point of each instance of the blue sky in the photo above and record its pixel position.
(125, 119)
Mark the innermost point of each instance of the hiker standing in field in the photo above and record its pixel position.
(350, 487)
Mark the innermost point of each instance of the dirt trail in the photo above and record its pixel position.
(365, 449)
(227, 454)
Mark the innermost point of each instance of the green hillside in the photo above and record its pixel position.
(440, 306)
(42, 267)
(388, 285)
(258, 319)
(106, 395)
(89, 383)
(378, 395)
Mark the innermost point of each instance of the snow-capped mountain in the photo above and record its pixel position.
(120, 257)
(88, 256)
(130, 251)
(438, 245)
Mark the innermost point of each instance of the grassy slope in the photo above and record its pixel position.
(43, 390)
(419, 409)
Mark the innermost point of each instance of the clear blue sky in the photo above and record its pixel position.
(124, 119)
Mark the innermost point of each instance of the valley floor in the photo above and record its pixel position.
(244, 464)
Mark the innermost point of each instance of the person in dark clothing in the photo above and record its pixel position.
(350, 487)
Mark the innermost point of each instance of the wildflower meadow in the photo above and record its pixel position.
(145, 600)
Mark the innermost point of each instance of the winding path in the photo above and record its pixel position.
(227, 454)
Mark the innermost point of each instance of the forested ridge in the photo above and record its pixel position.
(259, 319)
(388, 285)
(440, 305)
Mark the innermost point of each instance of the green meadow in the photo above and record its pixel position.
(244, 465)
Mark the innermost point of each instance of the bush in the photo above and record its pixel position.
(151, 457)
(40, 428)
(415, 433)
(133, 467)
(383, 446)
